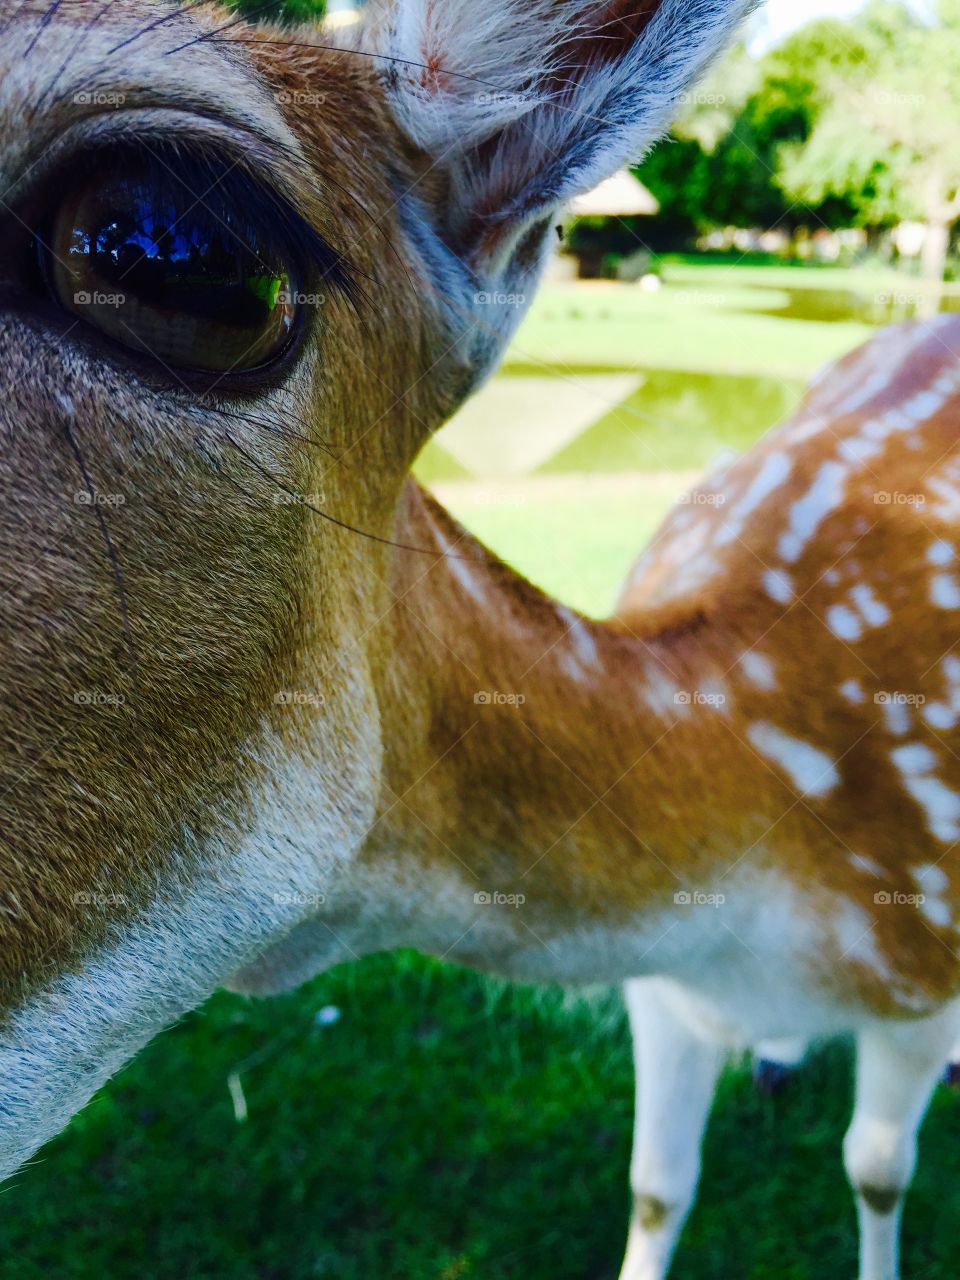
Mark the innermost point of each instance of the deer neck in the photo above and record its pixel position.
(543, 792)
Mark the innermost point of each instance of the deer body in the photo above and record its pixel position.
(270, 708)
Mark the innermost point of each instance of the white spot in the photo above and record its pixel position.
(844, 623)
(924, 405)
(778, 586)
(858, 450)
(806, 516)
(945, 591)
(812, 771)
(936, 911)
(774, 472)
(874, 612)
(940, 804)
(866, 864)
(759, 670)
(939, 716)
(933, 883)
(914, 759)
(852, 690)
(898, 718)
(931, 878)
(940, 552)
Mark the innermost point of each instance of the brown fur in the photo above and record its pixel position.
(597, 806)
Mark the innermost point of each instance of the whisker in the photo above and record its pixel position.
(244, 19)
(324, 515)
(15, 15)
(368, 53)
(44, 23)
(152, 26)
(283, 432)
(77, 45)
(112, 556)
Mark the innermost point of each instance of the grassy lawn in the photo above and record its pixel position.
(445, 1126)
(699, 323)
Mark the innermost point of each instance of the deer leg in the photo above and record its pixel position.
(677, 1073)
(897, 1070)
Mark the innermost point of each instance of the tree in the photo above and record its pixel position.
(887, 138)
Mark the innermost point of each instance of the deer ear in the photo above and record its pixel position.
(519, 105)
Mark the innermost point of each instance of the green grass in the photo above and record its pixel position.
(704, 328)
(448, 1127)
(577, 540)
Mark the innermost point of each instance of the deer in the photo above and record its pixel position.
(267, 707)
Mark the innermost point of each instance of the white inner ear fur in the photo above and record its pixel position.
(466, 72)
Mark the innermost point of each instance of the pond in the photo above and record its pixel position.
(831, 306)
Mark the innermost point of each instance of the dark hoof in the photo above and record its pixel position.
(951, 1077)
(771, 1078)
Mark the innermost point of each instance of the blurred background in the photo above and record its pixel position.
(402, 1120)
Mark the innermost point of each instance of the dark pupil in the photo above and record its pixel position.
(183, 262)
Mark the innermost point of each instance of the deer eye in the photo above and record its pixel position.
(183, 275)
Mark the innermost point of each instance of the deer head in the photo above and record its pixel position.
(245, 275)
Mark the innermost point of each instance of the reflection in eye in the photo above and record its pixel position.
(186, 277)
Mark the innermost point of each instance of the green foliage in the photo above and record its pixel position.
(844, 123)
(280, 10)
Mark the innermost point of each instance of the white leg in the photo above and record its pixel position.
(676, 1076)
(897, 1069)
